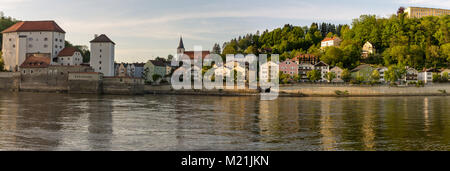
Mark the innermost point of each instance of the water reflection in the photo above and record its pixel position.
(31, 121)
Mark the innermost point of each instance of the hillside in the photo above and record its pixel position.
(415, 42)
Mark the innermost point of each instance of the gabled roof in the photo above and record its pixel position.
(102, 39)
(158, 63)
(67, 51)
(361, 67)
(329, 38)
(36, 62)
(32, 26)
(191, 54)
(321, 63)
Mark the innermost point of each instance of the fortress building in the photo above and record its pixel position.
(31, 38)
(102, 55)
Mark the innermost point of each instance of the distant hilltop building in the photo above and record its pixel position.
(102, 55)
(367, 50)
(419, 12)
(31, 38)
(327, 42)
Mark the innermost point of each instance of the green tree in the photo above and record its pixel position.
(394, 73)
(216, 49)
(331, 76)
(436, 77)
(332, 56)
(346, 75)
(445, 77)
(2, 64)
(375, 76)
(314, 75)
(156, 77)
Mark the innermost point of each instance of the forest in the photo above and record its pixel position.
(399, 40)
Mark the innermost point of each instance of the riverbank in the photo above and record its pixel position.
(315, 90)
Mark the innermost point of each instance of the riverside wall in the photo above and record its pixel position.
(9, 81)
(316, 90)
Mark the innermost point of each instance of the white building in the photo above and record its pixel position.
(382, 72)
(70, 56)
(31, 38)
(269, 70)
(323, 68)
(102, 55)
(327, 42)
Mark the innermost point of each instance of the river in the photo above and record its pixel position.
(55, 122)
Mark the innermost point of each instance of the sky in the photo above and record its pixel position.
(145, 29)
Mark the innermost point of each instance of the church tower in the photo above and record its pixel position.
(180, 49)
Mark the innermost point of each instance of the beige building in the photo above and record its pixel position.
(367, 50)
(419, 12)
(31, 38)
(102, 55)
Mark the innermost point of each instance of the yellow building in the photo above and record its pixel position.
(419, 12)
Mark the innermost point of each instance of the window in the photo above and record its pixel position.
(30, 39)
(45, 39)
(100, 62)
(56, 40)
(100, 50)
(45, 46)
(14, 46)
(30, 45)
(99, 68)
(56, 46)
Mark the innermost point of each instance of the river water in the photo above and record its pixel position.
(30, 121)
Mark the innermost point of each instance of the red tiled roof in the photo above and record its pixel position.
(29, 26)
(36, 62)
(67, 51)
(328, 39)
(192, 53)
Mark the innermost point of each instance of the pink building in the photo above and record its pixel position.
(289, 66)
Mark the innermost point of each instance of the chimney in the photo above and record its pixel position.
(96, 35)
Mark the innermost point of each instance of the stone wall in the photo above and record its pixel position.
(123, 85)
(316, 90)
(167, 89)
(85, 83)
(9, 81)
(51, 79)
(356, 90)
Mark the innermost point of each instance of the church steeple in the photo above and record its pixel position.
(180, 48)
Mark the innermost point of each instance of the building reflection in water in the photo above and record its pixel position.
(9, 108)
(100, 123)
(38, 126)
(327, 126)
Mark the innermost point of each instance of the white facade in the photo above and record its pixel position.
(102, 57)
(18, 45)
(331, 42)
(382, 72)
(269, 70)
(74, 60)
